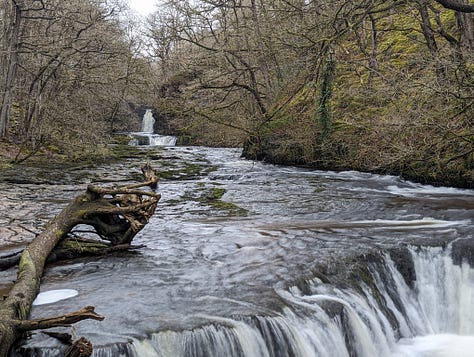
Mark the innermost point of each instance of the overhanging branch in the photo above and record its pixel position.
(456, 5)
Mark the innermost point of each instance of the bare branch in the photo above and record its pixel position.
(64, 320)
(456, 5)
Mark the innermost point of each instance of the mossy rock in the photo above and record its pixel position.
(211, 197)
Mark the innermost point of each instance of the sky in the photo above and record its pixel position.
(143, 7)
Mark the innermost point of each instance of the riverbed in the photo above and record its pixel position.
(243, 258)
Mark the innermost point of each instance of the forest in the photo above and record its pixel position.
(379, 86)
(360, 86)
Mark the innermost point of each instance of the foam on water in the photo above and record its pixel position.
(49, 297)
(416, 190)
(424, 223)
(444, 345)
(162, 140)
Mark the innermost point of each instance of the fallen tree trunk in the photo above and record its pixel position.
(71, 247)
(117, 215)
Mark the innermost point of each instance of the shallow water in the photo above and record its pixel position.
(207, 262)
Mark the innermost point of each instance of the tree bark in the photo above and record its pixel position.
(117, 214)
(11, 39)
(465, 22)
(373, 63)
(427, 29)
(456, 5)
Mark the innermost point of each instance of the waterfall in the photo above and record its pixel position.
(162, 140)
(379, 313)
(148, 122)
(389, 318)
(147, 137)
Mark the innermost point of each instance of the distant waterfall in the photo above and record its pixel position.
(147, 137)
(148, 122)
(387, 318)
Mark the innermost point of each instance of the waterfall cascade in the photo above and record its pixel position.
(381, 315)
(148, 122)
(147, 136)
(434, 317)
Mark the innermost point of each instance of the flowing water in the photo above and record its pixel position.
(148, 122)
(147, 137)
(249, 259)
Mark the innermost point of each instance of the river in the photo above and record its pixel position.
(246, 259)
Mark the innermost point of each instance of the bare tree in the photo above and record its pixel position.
(70, 69)
(12, 23)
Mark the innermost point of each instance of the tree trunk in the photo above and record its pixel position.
(465, 23)
(9, 62)
(427, 29)
(117, 214)
(373, 63)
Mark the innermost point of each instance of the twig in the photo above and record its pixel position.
(59, 321)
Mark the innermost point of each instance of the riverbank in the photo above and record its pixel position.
(12, 154)
(289, 152)
(405, 129)
(7, 153)
(346, 154)
(378, 97)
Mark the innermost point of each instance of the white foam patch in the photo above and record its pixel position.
(444, 345)
(412, 224)
(425, 223)
(429, 190)
(48, 297)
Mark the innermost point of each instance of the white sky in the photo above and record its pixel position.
(143, 7)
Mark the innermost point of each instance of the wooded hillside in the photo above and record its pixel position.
(70, 72)
(384, 86)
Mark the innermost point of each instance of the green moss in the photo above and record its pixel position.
(230, 208)
(125, 151)
(83, 247)
(5, 165)
(186, 172)
(120, 139)
(23, 311)
(211, 197)
(216, 193)
(361, 274)
(26, 265)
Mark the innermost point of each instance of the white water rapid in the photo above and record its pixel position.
(433, 318)
(147, 137)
